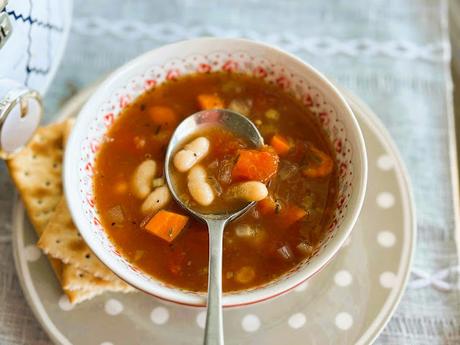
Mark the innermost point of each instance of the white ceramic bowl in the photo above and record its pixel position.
(201, 56)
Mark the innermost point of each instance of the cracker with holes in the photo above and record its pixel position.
(75, 279)
(36, 171)
(62, 241)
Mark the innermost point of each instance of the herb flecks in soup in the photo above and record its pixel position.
(296, 170)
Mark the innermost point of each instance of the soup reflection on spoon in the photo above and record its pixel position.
(216, 135)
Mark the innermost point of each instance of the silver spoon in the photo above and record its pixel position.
(244, 128)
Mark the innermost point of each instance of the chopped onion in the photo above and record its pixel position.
(244, 230)
(241, 106)
(307, 202)
(215, 185)
(224, 174)
(287, 170)
(268, 129)
(245, 274)
(272, 114)
(213, 165)
(254, 212)
(115, 215)
(232, 86)
(305, 248)
(285, 252)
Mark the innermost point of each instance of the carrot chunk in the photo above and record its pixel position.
(280, 144)
(255, 165)
(210, 101)
(163, 116)
(321, 164)
(267, 206)
(286, 215)
(166, 225)
(291, 214)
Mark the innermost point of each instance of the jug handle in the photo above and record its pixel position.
(21, 110)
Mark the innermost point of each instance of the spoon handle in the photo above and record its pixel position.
(214, 332)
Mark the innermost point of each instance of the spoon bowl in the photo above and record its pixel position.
(230, 120)
(244, 128)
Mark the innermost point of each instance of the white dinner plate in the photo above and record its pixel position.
(350, 301)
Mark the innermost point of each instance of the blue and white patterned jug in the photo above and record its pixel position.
(33, 35)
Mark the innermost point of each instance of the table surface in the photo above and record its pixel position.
(395, 55)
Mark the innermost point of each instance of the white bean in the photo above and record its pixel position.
(158, 182)
(142, 178)
(184, 160)
(156, 200)
(198, 173)
(191, 154)
(200, 146)
(199, 189)
(248, 191)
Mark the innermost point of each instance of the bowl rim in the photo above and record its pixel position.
(71, 182)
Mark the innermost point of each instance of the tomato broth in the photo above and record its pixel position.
(281, 231)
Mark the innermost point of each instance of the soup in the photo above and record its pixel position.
(296, 169)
